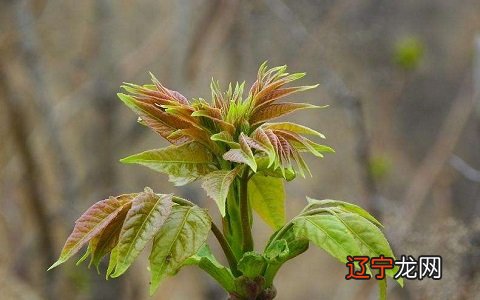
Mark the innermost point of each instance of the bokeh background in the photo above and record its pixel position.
(402, 79)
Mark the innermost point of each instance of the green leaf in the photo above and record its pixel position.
(181, 236)
(226, 138)
(147, 215)
(207, 262)
(217, 184)
(112, 262)
(370, 238)
(252, 264)
(329, 233)
(344, 233)
(267, 197)
(348, 207)
(92, 223)
(183, 163)
(308, 146)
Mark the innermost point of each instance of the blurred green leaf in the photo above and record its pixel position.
(408, 52)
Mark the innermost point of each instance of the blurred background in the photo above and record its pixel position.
(402, 79)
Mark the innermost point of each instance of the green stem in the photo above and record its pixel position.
(245, 214)
(232, 261)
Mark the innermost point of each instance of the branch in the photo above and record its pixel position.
(464, 168)
(435, 159)
(216, 22)
(33, 177)
(29, 45)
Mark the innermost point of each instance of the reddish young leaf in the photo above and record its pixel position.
(169, 93)
(277, 110)
(243, 155)
(91, 223)
(103, 243)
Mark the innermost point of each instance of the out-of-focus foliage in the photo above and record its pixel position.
(408, 52)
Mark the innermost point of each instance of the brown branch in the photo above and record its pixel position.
(435, 159)
(363, 154)
(335, 86)
(29, 45)
(217, 22)
(33, 177)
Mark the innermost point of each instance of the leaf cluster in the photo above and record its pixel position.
(243, 160)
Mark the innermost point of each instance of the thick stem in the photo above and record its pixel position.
(245, 214)
(232, 261)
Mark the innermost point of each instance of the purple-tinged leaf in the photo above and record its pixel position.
(91, 223)
(277, 110)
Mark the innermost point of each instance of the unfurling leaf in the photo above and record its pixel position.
(141, 224)
(183, 163)
(183, 233)
(217, 184)
(277, 252)
(243, 155)
(91, 223)
(281, 250)
(226, 138)
(252, 264)
(267, 197)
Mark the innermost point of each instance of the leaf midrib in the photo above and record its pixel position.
(104, 220)
(180, 228)
(171, 161)
(355, 234)
(326, 233)
(138, 232)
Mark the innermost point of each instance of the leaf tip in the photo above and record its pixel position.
(126, 160)
(56, 264)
